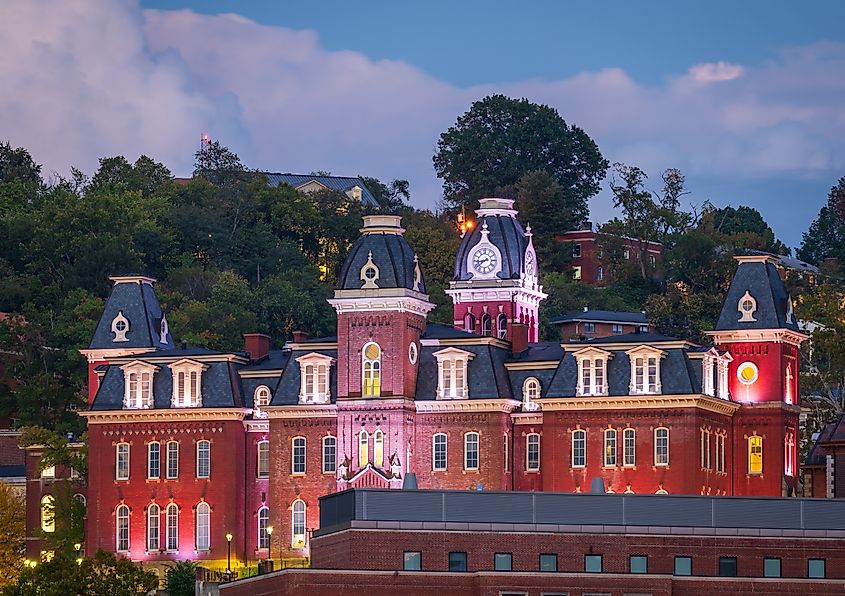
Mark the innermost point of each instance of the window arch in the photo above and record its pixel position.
(579, 448)
(122, 529)
(172, 527)
(121, 470)
(629, 447)
(609, 448)
(81, 499)
(532, 452)
(172, 459)
(755, 454)
(486, 325)
(203, 525)
(438, 452)
(48, 513)
(329, 454)
(203, 459)
(298, 456)
(263, 521)
(153, 522)
(469, 322)
(502, 326)
(471, 444)
(262, 396)
(661, 446)
(378, 449)
(263, 469)
(530, 393)
(363, 448)
(371, 370)
(298, 524)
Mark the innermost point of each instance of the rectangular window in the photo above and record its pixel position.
(661, 447)
(503, 562)
(532, 453)
(720, 452)
(645, 375)
(629, 437)
(298, 460)
(815, 568)
(152, 527)
(203, 459)
(122, 467)
(506, 459)
(589, 327)
(727, 566)
(755, 454)
(49, 472)
(457, 561)
(592, 564)
(576, 273)
(579, 448)
(771, 567)
(638, 563)
(172, 528)
(705, 449)
(576, 250)
(263, 470)
(329, 455)
(626, 253)
(471, 451)
(683, 565)
(600, 274)
(154, 461)
(172, 460)
(617, 329)
(592, 376)
(438, 456)
(609, 448)
(413, 561)
(548, 562)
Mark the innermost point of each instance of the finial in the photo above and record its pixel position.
(484, 226)
(528, 230)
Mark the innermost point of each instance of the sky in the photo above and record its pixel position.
(746, 98)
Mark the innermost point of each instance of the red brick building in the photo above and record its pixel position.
(590, 324)
(189, 445)
(590, 263)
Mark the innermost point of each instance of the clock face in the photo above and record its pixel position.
(529, 264)
(484, 260)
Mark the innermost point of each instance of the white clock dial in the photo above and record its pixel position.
(484, 260)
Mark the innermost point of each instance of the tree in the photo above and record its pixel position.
(100, 575)
(12, 534)
(745, 227)
(823, 379)
(182, 578)
(501, 139)
(826, 237)
(391, 197)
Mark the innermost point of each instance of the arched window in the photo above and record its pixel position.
(530, 393)
(154, 460)
(81, 499)
(203, 459)
(122, 529)
(172, 460)
(203, 526)
(48, 513)
(469, 322)
(378, 449)
(172, 527)
(153, 521)
(502, 326)
(438, 452)
(629, 455)
(298, 456)
(363, 448)
(532, 452)
(298, 524)
(661, 446)
(371, 369)
(121, 471)
(263, 469)
(579, 448)
(486, 325)
(262, 396)
(755, 454)
(609, 448)
(263, 520)
(471, 451)
(329, 455)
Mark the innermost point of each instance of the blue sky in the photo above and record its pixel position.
(746, 98)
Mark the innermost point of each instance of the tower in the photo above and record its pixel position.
(758, 328)
(132, 323)
(381, 309)
(496, 282)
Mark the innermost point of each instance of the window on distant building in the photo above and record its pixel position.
(298, 456)
(412, 561)
(645, 370)
(153, 523)
(683, 565)
(600, 273)
(576, 273)
(298, 524)
(503, 562)
(593, 563)
(471, 451)
(532, 452)
(203, 525)
(457, 561)
(452, 377)
(172, 460)
(438, 452)
(48, 514)
(626, 253)
(121, 471)
(314, 378)
(727, 566)
(816, 568)
(48, 472)
(530, 394)
(263, 466)
(138, 385)
(502, 326)
(548, 562)
(187, 383)
(661, 447)
(371, 370)
(576, 250)
(486, 325)
(652, 260)
(154, 461)
(609, 448)
(172, 527)
(579, 448)
(378, 449)
(263, 522)
(638, 563)
(329, 455)
(203, 459)
(755, 454)
(589, 327)
(629, 455)
(592, 371)
(616, 328)
(771, 567)
(122, 529)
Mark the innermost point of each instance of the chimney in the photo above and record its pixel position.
(519, 338)
(299, 336)
(257, 345)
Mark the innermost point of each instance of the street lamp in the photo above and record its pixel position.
(269, 542)
(228, 552)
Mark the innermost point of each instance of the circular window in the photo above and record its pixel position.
(747, 305)
(120, 326)
(372, 352)
(747, 373)
(370, 273)
(412, 353)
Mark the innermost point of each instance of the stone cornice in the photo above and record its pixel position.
(536, 365)
(467, 341)
(164, 415)
(302, 411)
(174, 358)
(733, 336)
(629, 346)
(262, 425)
(467, 291)
(534, 418)
(468, 405)
(625, 402)
(260, 374)
(112, 353)
(416, 303)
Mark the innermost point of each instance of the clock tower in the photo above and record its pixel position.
(496, 283)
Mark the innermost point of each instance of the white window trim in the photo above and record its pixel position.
(258, 445)
(378, 448)
(261, 389)
(747, 316)
(266, 537)
(157, 517)
(589, 357)
(608, 432)
(529, 404)
(167, 546)
(293, 456)
(323, 466)
(298, 540)
(646, 353)
(477, 450)
(117, 517)
(167, 474)
(187, 366)
(625, 432)
(668, 451)
(434, 467)
(455, 359)
(312, 395)
(139, 401)
(528, 438)
(198, 458)
(572, 449)
(375, 371)
(149, 460)
(363, 441)
(117, 475)
(203, 547)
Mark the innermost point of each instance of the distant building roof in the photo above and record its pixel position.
(339, 183)
(602, 316)
(787, 262)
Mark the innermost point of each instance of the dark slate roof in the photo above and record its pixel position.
(391, 254)
(506, 234)
(486, 374)
(286, 391)
(627, 338)
(440, 331)
(602, 316)
(338, 183)
(762, 281)
(276, 360)
(140, 306)
(816, 455)
(181, 353)
(12, 471)
(546, 350)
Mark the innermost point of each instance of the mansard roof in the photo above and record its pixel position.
(134, 297)
(286, 391)
(505, 233)
(817, 455)
(757, 275)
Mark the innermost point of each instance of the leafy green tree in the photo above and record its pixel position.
(745, 227)
(826, 237)
(567, 296)
(391, 197)
(12, 535)
(501, 139)
(435, 242)
(823, 378)
(181, 578)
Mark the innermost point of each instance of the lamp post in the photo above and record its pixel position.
(269, 542)
(229, 552)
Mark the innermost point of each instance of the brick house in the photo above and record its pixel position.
(590, 264)
(591, 323)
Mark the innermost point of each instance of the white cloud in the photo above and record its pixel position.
(719, 71)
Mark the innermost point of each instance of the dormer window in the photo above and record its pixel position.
(645, 370)
(187, 384)
(747, 307)
(530, 394)
(163, 330)
(138, 385)
(715, 374)
(452, 377)
(592, 371)
(120, 327)
(261, 398)
(371, 370)
(314, 378)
